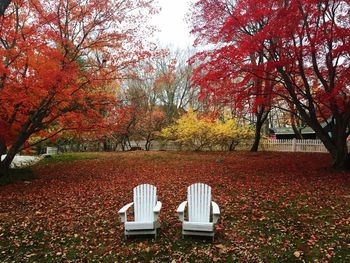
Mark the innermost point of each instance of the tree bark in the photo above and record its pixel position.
(340, 153)
(11, 153)
(2, 148)
(148, 142)
(257, 137)
(341, 159)
(261, 117)
(3, 170)
(297, 132)
(105, 146)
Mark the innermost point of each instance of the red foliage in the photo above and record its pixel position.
(272, 206)
(295, 50)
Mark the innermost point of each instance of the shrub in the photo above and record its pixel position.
(192, 132)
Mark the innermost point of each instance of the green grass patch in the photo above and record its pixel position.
(70, 157)
(14, 175)
(170, 155)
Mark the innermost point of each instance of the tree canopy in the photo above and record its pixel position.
(301, 47)
(60, 62)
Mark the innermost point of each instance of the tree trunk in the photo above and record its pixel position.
(341, 160)
(105, 145)
(148, 142)
(2, 148)
(336, 144)
(3, 170)
(2, 166)
(261, 117)
(294, 123)
(6, 162)
(147, 145)
(257, 137)
(340, 153)
(124, 142)
(297, 132)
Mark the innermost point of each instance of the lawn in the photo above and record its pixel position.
(275, 207)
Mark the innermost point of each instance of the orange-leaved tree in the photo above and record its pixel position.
(59, 60)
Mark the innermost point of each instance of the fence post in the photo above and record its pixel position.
(294, 145)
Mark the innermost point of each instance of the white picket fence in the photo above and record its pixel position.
(51, 150)
(278, 145)
(294, 145)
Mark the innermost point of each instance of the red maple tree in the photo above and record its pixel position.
(302, 45)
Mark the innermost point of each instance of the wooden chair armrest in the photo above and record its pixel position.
(157, 208)
(216, 212)
(123, 212)
(181, 210)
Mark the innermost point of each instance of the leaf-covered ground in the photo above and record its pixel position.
(275, 207)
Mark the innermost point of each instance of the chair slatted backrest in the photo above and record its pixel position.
(145, 199)
(199, 202)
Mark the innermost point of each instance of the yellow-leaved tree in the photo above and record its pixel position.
(192, 132)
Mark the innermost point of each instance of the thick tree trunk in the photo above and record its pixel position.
(2, 148)
(6, 162)
(11, 153)
(336, 144)
(261, 117)
(340, 153)
(3, 170)
(341, 160)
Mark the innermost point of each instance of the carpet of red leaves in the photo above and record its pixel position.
(275, 207)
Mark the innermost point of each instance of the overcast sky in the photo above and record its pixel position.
(172, 25)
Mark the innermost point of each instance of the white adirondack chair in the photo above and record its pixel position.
(203, 213)
(146, 211)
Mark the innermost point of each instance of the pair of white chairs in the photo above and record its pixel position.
(202, 214)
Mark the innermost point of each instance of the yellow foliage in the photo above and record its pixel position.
(194, 133)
